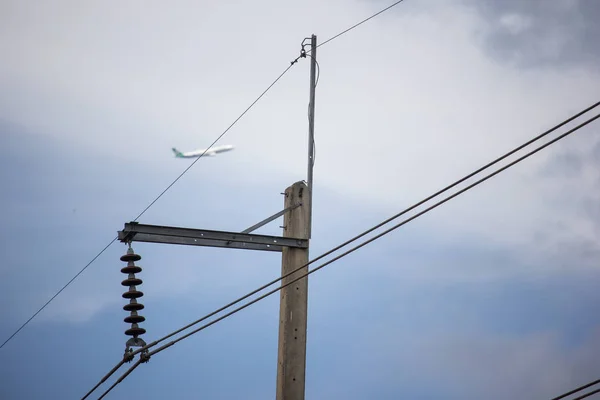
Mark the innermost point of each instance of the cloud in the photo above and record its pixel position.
(541, 33)
(515, 23)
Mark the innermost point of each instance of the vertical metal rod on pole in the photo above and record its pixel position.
(311, 126)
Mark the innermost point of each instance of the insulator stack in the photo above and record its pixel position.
(133, 294)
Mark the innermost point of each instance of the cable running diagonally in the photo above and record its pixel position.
(358, 24)
(216, 140)
(60, 291)
(588, 394)
(153, 201)
(356, 247)
(125, 375)
(579, 389)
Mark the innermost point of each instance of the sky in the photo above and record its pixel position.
(488, 296)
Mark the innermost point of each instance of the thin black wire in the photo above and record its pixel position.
(360, 23)
(116, 367)
(59, 292)
(497, 160)
(587, 394)
(218, 138)
(154, 201)
(125, 375)
(371, 239)
(580, 388)
(318, 69)
(476, 183)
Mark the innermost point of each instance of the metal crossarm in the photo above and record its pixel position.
(135, 232)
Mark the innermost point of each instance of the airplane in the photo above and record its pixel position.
(213, 151)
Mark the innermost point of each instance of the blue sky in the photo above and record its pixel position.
(489, 296)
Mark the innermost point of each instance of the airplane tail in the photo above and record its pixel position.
(177, 152)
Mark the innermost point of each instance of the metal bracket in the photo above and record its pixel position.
(136, 232)
(271, 218)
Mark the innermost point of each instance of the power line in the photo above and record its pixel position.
(580, 388)
(217, 139)
(360, 23)
(153, 201)
(356, 247)
(587, 394)
(125, 375)
(57, 293)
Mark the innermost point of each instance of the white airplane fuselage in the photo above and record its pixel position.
(211, 152)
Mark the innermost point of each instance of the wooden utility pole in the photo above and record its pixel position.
(297, 223)
(291, 357)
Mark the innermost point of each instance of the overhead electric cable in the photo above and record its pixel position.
(153, 201)
(580, 388)
(358, 24)
(354, 248)
(125, 375)
(585, 396)
(57, 293)
(218, 138)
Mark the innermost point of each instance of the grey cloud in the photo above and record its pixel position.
(595, 153)
(541, 32)
(575, 156)
(575, 225)
(565, 164)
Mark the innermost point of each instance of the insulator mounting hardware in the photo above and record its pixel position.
(133, 307)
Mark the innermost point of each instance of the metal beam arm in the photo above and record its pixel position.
(271, 218)
(135, 232)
